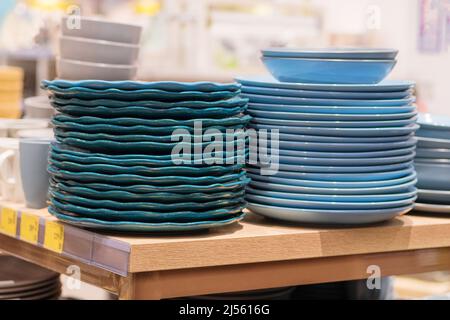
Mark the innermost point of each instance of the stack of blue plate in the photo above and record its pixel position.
(432, 164)
(112, 165)
(345, 150)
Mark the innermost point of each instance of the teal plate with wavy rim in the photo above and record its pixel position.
(142, 137)
(204, 86)
(228, 103)
(128, 179)
(143, 206)
(66, 153)
(163, 197)
(143, 112)
(148, 147)
(231, 185)
(130, 226)
(147, 171)
(142, 94)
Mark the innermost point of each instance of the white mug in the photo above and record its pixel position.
(10, 178)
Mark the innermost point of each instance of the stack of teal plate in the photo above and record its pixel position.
(147, 156)
(345, 151)
(432, 164)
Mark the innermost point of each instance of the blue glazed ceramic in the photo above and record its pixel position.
(345, 161)
(433, 208)
(278, 114)
(341, 132)
(136, 95)
(129, 226)
(403, 177)
(331, 189)
(143, 206)
(341, 147)
(434, 196)
(433, 153)
(173, 170)
(346, 155)
(331, 53)
(334, 197)
(328, 70)
(335, 110)
(110, 103)
(186, 188)
(165, 197)
(383, 86)
(433, 176)
(358, 177)
(143, 112)
(434, 126)
(256, 98)
(307, 138)
(433, 143)
(140, 85)
(328, 216)
(405, 94)
(284, 119)
(127, 179)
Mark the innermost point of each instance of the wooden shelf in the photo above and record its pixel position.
(256, 253)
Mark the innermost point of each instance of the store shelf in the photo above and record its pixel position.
(254, 254)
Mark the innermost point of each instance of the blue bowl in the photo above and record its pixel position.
(332, 53)
(328, 70)
(434, 126)
(432, 176)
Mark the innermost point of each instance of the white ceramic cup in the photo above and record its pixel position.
(10, 177)
(99, 51)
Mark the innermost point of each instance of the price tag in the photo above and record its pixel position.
(29, 228)
(54, 236)
(8, 221)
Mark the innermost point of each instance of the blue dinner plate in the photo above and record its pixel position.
(128, 179)
(344, 155)
(130, 226)
(433, 208)
(60, 118)
(285, 119)
(340, 132)
(148, 147)
(344, 161)
(434, 196)
(367, 176)
(147, 171)
(308, 138)
(256, 98)
(402, 178)
(288, 169)
(136, 95)
(327, 94)
(331, 53)
(433, 143)
(63, 153)
(330, 189)
(278, 114)
(176, 86)
(328, 216)
(140, 137)
(433, 153)
(268, 81)
(433, 176)
(110, 103)
(333, 147)
(331, 198)
(164, 197)
(144, 112)
(187, 188)
(334, 110)
(143, 205)
(435, 122)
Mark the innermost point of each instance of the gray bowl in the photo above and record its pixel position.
(434, 176)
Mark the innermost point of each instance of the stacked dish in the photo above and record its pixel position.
(347, 65)
(345, 151)
(137, 156)
(432, 164)
(96, 49)
(11, 91)
(20, 280)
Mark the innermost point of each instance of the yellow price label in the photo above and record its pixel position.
(8, 221)
(54, 236)
(29, 228)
